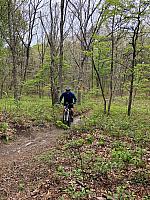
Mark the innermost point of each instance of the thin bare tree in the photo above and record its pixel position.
(139, 10)
(84, 12)
(51, 32)
(30, 11)
(63, 12)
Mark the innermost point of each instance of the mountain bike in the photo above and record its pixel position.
(67, 116)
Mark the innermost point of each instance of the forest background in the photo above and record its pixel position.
(101, 49)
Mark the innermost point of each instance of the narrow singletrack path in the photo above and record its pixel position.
(18, 161)
(28, 145)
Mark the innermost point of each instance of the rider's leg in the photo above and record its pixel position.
(63, 113)
(72, 112)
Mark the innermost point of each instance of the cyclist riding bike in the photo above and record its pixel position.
(69, 99)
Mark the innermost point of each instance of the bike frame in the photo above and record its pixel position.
(66, 115)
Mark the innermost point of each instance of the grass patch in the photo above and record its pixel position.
(37, 109)
(106, 156)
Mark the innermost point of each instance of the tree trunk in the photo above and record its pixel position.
(61, 46)
(112, 66)
(92, 76)
(132, 81)
(14, 73)
(100, 84)
(52, 76)
(134, 41)
(2, 86)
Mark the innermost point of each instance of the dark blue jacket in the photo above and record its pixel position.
(69, 97)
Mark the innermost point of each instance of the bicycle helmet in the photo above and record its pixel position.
(68, 89)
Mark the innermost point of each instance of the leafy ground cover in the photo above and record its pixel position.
(35, 108)
(31, 111)
(105, 157)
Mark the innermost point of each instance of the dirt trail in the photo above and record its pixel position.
(27, 145)
(24, 147)
(20, 173)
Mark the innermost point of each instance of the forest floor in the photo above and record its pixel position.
(27, 145)
(30, 143)
(17, 159)
(104, 158)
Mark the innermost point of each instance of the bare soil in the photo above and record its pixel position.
(27, 145)
(17, 160)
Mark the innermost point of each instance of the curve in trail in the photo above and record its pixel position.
(23, 147)
(39, 141)
(18, 161)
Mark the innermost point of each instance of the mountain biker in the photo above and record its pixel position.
(69, 99)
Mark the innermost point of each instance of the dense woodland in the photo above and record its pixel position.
(101, 49)
(85, 44)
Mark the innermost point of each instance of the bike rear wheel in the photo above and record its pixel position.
(67, 118)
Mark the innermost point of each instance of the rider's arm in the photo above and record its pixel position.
(75, 99)
(61, 97)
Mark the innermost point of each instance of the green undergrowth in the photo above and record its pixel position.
(106, 156)
(61, 125)
(118, 124)
(32, 108)
(39, 110)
